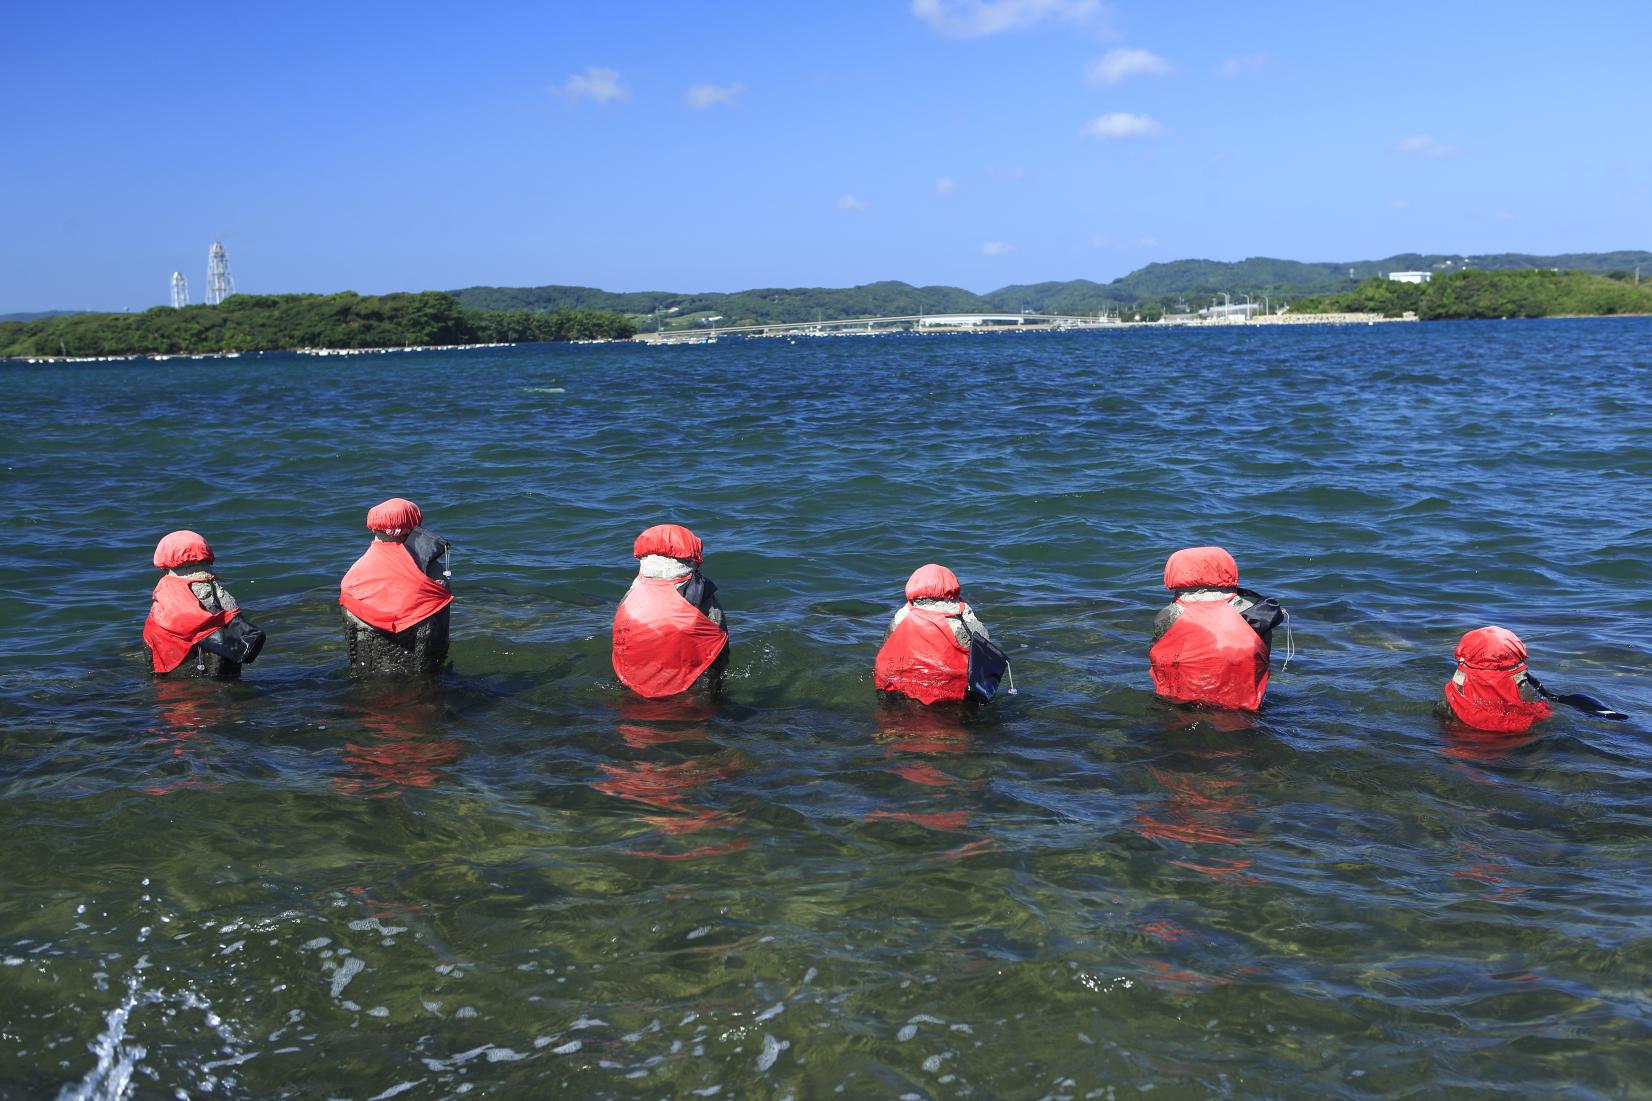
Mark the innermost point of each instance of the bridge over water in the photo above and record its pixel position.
(924, 322)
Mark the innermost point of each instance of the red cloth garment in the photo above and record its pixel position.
(670, 540)
(932, 582)
(1201, 568)
(1211, 655)
(177, 623)
(180, 548)
(386, 589)
(1491, 660)
(662, 643)
(922, 658)
(397, 516)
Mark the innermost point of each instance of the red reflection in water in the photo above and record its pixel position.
(1226, 871)
(675, 786)
(1163, 974)
(379, 908)
(1180, 717)
(400, 744)
(1200, 808)
(1165, 930)
(185, 708)
(1490, 869)
(917, 742)
(1485, 747)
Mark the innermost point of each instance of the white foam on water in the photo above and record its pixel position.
(906, 1033)
(399, 1087)
(363, 924)
(110, 1079)
(771, 1051)
(773, 1011)
(568, 1048)
(348, 970)
(232, 1061)
(696, 934)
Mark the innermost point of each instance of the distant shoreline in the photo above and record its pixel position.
(160, 357)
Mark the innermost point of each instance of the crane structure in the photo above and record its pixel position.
(220, 284)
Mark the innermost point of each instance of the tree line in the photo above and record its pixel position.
(253, 322)
(1174, 287)
(1468, 295)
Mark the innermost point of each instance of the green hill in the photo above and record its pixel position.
(249, 322)
(1167, 285)
(1476, 294)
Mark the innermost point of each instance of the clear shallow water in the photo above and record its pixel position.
(517, 882)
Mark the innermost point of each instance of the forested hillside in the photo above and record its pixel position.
(251, 322)
(1464, 295)
(1180, 284)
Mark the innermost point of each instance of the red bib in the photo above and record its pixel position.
(386, 589)
(662, 643)
(1211, 655)
(1489, 699)
(177, 623)
(923, 659)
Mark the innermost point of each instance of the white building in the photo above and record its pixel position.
(1237, 311)
(1410, 276)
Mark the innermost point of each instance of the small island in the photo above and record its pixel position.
(291, 322)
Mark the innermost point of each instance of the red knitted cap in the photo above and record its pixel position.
(395, 515)
(932, 582)
(671, 540)
(1491, 648)
(179, 548)
(1201, 568)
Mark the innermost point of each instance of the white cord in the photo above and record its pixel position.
(1010, 673)
(1290, 642)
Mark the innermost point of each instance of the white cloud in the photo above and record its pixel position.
(1502, 216)
(976, 18)
(1421, 145)
(595, 84)
(1398, 204)
(1243, 65)
(702, 96)
(946, 185)
(849, 202)
(997, 248)
(1118, 65)
(1118, 124)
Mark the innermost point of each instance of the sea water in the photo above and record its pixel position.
(519, 882)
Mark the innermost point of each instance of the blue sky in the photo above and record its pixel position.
(639, 146)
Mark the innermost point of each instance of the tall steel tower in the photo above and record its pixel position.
(180, 290)
(220, 284)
